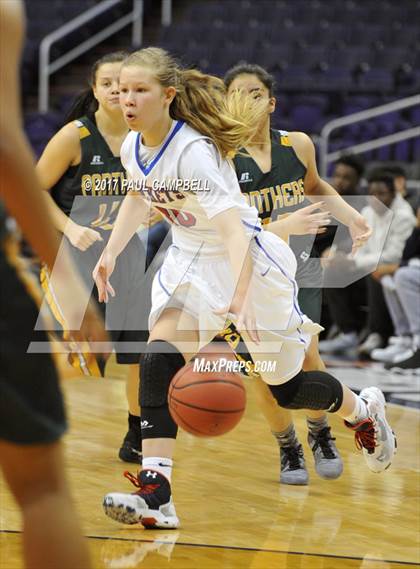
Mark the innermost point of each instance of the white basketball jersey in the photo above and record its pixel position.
(186, 179)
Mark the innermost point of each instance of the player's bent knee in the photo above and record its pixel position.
(316, 390)
(159, 364)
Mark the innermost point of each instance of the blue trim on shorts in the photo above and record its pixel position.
(161, 283)
(290, 279)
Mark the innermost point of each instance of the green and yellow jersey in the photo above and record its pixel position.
(277, 192)
(99, 175)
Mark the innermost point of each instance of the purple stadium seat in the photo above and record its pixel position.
(364, 34)
(310, 55)
(402, 151)
(334, 79)
(185, 31)
(296, 78)
(384, 153)
(393, 57)
(283, 103)
(199, 54)
(319, 101)
(368, 131)
(341, 143)
(350, 56)
(357, 103)
(388, 122)
(200, 11)
(376, 79)
(232, 54)
(408, 82)
(415, 116)
(305, 117)
(274, 56)
(386, 14)
(416, 151)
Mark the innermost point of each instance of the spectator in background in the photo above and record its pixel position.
(391, 228)
(348, 171)
(402, 295)
(400, 181)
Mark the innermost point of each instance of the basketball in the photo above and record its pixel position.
(207, 403)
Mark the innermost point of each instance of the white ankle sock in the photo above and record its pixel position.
(160, 464)
(360, 411)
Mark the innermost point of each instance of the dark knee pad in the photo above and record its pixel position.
(158, 365)
(316, 390)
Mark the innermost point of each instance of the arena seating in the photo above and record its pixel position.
(355, 57)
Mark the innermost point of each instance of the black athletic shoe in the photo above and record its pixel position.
(409, 366)
(151, 505)
(130, 450)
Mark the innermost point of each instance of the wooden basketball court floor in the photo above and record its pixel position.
(233, 511)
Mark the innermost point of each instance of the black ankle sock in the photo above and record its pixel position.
(134, 422)
(101, 365)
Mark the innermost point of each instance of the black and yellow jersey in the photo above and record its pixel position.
(100, 176)
(278, 192)
(3, 219)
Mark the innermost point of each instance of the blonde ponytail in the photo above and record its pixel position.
(202, 102)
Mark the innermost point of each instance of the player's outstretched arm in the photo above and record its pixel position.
(306, 221)
(132, 213)
(318, 189)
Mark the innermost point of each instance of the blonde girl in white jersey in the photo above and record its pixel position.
(221, 261)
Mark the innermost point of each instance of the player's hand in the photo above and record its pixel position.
(92, 328)
(360, 232)
(309, 221)
(81, 321)
(101, 275)
(81, 237)
(242, 310)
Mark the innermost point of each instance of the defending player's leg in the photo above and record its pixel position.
(131, 450)
(152, 504)
(292, 462)
(328, 462)
(364, 414)
(35, 474)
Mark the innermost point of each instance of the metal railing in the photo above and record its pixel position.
(47, 68)
(166, 13)
(326, 157)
